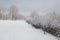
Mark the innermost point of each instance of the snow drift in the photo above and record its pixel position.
(20, 30)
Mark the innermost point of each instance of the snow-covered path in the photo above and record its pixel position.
(20, 30)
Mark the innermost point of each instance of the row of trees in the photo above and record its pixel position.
(52, 19)
(10, 14)
(49, 22)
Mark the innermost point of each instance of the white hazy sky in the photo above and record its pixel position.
(33, 5)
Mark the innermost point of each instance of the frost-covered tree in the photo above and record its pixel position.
(2, 11)
(34, 18)
(12, 12)
(54, 20)
(0, 16)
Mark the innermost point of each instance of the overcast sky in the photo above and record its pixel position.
(33, 5)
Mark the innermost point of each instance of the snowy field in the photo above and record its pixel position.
(21, 30)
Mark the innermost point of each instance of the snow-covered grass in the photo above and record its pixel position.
(21, 30)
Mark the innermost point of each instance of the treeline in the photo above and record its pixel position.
(10, 13)
(49, 22)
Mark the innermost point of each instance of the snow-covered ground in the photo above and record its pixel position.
(21, 30)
